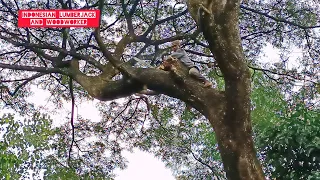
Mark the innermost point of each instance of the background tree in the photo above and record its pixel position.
(44, 151)
(28, 153)
(291, 146)
(94, 59)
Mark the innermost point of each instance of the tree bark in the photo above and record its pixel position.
(232, 124)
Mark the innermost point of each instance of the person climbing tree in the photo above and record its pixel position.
(182, 56)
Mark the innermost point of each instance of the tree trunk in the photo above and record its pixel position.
(236, 147)
(232, 123)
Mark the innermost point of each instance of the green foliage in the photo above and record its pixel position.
(267, 102)
(284, 136)
(32, 144)
(216, 75)
(22, 154)
(292, 145)
(166, 115)
(8, 162)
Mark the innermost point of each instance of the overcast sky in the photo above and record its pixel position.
(143, 166)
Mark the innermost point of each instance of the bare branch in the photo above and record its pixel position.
(37, 48)
(13, 52)
(72, 114)
(26, 81)
(257, 34)
(156, 22)
(198, 53)
(281, 74)
(113, 23)
(32, 68)
(9, 9)
(128, 16)
(278, 19)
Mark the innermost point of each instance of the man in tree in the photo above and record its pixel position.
(227, 110)
(181, 55)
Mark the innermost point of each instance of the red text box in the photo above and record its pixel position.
(58, 18)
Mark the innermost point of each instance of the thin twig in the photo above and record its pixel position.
(72, 113)
(278, 19)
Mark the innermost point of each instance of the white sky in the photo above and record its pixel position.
(144, 166)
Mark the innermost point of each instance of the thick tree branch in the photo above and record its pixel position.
(115, 62)
(156, 80)
(122, 44)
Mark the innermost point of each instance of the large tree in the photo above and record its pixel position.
(100, 60)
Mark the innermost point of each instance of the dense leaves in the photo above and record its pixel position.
(22, 155)
(291, 146)
(43, 152)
